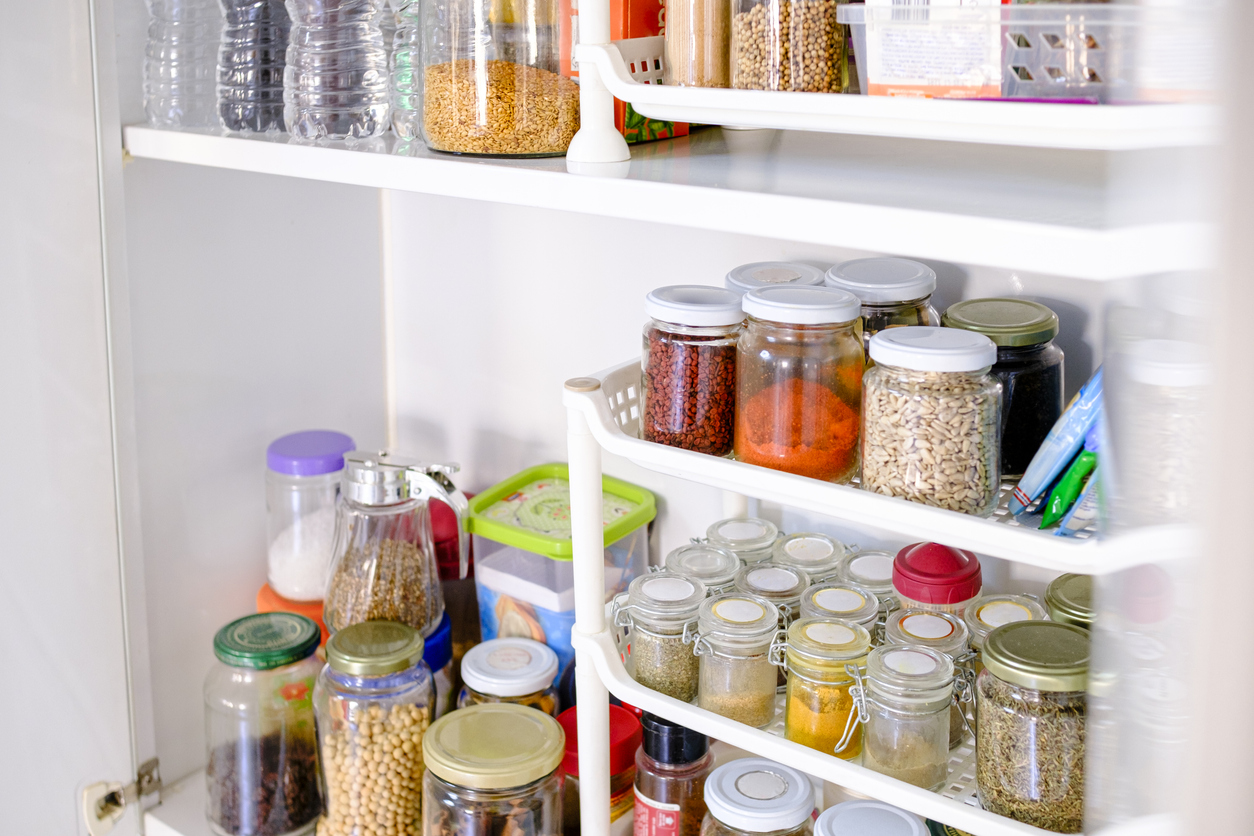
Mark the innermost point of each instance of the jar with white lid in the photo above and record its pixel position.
(757, 796)
(822, 656)
(799, 382)
(302, 484)
(747, 277)
(846, 601)
(909, 692)
(512, 670)
(661, 614)
(894, 292)
(781, 585)
(929, 576)
(939, 631)
(749, 538)
(932, 419)
(714, 566)
(868, 818)
(871, 570)
(815, 554)
(988, 612)
(689, 367)
(737, 678)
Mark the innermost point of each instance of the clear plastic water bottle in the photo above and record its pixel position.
(406, 67)
(388, 21)
(335, 85)
(180, 63)
(250, 64)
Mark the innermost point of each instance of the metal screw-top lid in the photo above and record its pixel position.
(759, 795)
(714, 566)
(749, 538)
(384, 478)
(493, 746)
(374, 648)
(988, 612)
(266, 640)
(1042, 655)
(1069, 599)
(1007, 322)
(670, 743)
(817, 554)
(928, 628)
(883, 281)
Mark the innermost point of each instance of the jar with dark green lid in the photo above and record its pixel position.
(262, 762)
(1029, 367)
(1069, 600)
(1031, 708)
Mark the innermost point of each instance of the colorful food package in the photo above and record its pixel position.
(935, 49)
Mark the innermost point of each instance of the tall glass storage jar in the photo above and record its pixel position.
(909, 692)
(375, 699)
(894, 292)
(491, 82)
(385, 564)
(689, 367)
(698, 44)
(819, 654)
(262, 762)
(661, 612)
(799, 382)
(749, 538)
(787, 45)
(932, 418)
(736, 677)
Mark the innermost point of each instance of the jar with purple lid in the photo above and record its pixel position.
(302, 482)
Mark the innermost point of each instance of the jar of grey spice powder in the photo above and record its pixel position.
(661, 612)
(736, 675)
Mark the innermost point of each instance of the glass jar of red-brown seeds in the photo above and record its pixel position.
(689, 367)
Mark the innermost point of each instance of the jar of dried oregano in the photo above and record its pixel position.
(820, 655)
(661, 613)
(736, 677)
(1029, 754)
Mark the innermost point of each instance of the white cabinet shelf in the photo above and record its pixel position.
(181, 811)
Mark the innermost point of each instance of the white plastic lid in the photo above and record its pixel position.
(509, 667)
(802, 305)
(746, 277)
(879, 281)
(759, 795)
(924, 348)
(694, 304)
(868, 818)
(1168, 363)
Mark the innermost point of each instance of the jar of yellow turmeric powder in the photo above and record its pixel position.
(820, 654)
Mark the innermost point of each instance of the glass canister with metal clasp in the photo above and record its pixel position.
(822, 655)
(736, 677)
(714, 566)
(940, 631)
(661, 613)
(385, 563)
(816, 554)
(749, 538)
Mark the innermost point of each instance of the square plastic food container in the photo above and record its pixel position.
(524, 577)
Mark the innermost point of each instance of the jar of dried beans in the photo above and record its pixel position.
(262, 771)
(909, 694)
(1029, 754)
(846, 601)
(736, 677)
(492, 770)
(932, 419)
(894, 292)
(799, 382)
(820, 655)
(689, 367)
(749, 538)
(757, 796)
(374, 701)
(512, 669)
(714, 566)
(384, 567)
(939, 631)
(787, 45)
(815, 554)
(661, 614)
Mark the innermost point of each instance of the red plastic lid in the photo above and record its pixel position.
(444, 533)
(625, 738)
(270, 601)
(934, 574)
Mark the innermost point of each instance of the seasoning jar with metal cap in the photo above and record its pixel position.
(714, 566)
(661, 614)
(846, 601)
(939, 631)
(1028, 365)
(493, 769)
(781, 585)
(384, 567)
(894, 292)
(988, 612)
(1029, 754)
(747, 277)
(815, 554)
(374, 700)
(513, 670)
(749, 538)
(822, 656)
(756, 795)
(868, 818)
(929, 576)
(1069, 599)
(871, 570)
(261, 775)
(736, 677)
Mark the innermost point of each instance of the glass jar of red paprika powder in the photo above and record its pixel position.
(799, 381)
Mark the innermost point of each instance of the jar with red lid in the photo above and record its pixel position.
(625, 737)
(929, 576)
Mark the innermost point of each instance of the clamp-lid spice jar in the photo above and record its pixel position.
(909, 702)
(815, 554)
(689, 367)
(988, 612)
(1028, 365)
(781, 585)
(799, 382)
(714, 566)
(493, 769)
(894, 292)
(932, 419)
(746, 277)
(929, 576)
(737, 677)
(749, 538)
(871, 570)
(661, 613)
(817, 654)
(845, 601)
(1069, 599)
(512, 670)
(756, 795)
(939, 631)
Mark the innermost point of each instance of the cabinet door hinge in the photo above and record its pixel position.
(105, 801)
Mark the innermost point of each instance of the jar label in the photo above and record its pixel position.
(509, 659)
(668, 589)
(739, 610)
(873, 567)
(741, 530)
(830, 633)
(839, 600)
(654, 818)
(772, 579)
(808, 549)
(925, 626)
(1003, 612)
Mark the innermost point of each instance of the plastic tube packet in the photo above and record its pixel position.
(1063, 496)
(1086, 509)
(1060, 446)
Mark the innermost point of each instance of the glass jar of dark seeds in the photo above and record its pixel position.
(661, 613)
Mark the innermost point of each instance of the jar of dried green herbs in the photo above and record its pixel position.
(661, 612)
(1030, 730)
(736, 675)
(820, 654)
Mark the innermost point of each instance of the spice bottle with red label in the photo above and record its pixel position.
(671, 766)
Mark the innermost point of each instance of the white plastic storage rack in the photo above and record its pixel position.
(604, 413)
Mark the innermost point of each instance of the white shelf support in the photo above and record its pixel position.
(598, 140)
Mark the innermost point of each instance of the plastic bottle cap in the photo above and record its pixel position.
(1168, 363)
(438, 651)
(375, 648)
(670, 743)
(802, 305)
(759, 795)
(695, 305)
(934, 574)
(746, 277)
(266, 640)
(1043, 655)
(879, 281)
(493, 746)
(1007, 322)
(511, 667)
(868, 818)
(923, 348)
(625, 737)
(308, 453)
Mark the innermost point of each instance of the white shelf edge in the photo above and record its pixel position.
(1034, 125)
(1083, 253)
(181, 811)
